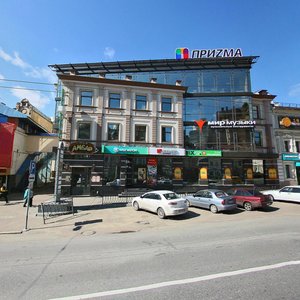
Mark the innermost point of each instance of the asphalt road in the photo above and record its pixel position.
(255, 256)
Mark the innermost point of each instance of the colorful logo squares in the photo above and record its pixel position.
(182, 53)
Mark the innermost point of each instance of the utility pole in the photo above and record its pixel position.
(58, 171)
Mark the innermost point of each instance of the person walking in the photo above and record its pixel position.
(4, 193)
(28, 192)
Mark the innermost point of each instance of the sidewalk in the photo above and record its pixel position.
(91, 217)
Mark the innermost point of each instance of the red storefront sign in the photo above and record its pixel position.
(7, 134)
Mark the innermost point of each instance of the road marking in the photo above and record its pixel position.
(182, 281)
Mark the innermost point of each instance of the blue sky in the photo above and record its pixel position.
(36, 33)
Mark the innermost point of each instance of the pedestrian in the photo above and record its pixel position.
(4, 193)
(27, 192)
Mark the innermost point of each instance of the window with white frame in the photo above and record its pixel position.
(86, 98)
(140, 133)
(84, 131)
(114, 100)
(166, 104)
(166, 134)
(141, 102)
(113, 131)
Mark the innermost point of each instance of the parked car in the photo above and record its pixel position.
(213, 199)
(249, 199)
(287, 193)
(163, 202)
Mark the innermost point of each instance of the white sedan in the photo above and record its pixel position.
(164, 203)
(287, 193)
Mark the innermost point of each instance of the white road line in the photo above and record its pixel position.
(182, 281)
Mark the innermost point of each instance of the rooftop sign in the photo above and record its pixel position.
(184, 53)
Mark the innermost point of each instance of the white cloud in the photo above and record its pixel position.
(1, 76)
(35, 98)
(29, 70)
(109, 52)
(295, 90)
(15, 59)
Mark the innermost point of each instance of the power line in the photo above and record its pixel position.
(26, 89)
(32, 82)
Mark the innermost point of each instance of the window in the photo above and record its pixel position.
(286, 146)
(84, 131)
(86, 98)
(256, 114)
(258, 138)
(140, 133)
(166, 134)
(114, 100)
(297, 146)
(113, 132)
(288, 171)
(166, 104)
(141, 102)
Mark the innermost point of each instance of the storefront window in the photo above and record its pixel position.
(111, 169)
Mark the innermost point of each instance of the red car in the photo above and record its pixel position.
(250, 199)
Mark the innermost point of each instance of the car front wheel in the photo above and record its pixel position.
(161, 213)
(136, 205)
(213, 209)
(271, 197)
(248, 206)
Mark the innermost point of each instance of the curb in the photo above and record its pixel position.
(11, 232)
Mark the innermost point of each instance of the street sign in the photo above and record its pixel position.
(32, 167)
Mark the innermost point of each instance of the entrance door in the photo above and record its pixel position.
(81, 181)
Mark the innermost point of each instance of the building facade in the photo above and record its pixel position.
(26, 134)
(286, 123)
(120, 132)
(219, 118)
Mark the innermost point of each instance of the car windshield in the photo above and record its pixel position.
(221, 194)
(171, 196)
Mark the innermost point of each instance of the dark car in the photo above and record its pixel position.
(250, 199)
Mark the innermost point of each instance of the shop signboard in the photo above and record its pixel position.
(124, 150)
(203, 153)
(232, 124)
(167, 151)
(83, 148)
(290, 122)
(298, 164)
(185, 53)
(291, 156)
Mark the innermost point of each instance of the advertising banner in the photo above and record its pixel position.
(7, 134)
(203, 153)
(151, 171)
(167, 151)
(124, 150)
(291, 156)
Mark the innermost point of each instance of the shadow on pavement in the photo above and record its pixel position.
(98, 206)
(268, 209)
(188, 215)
